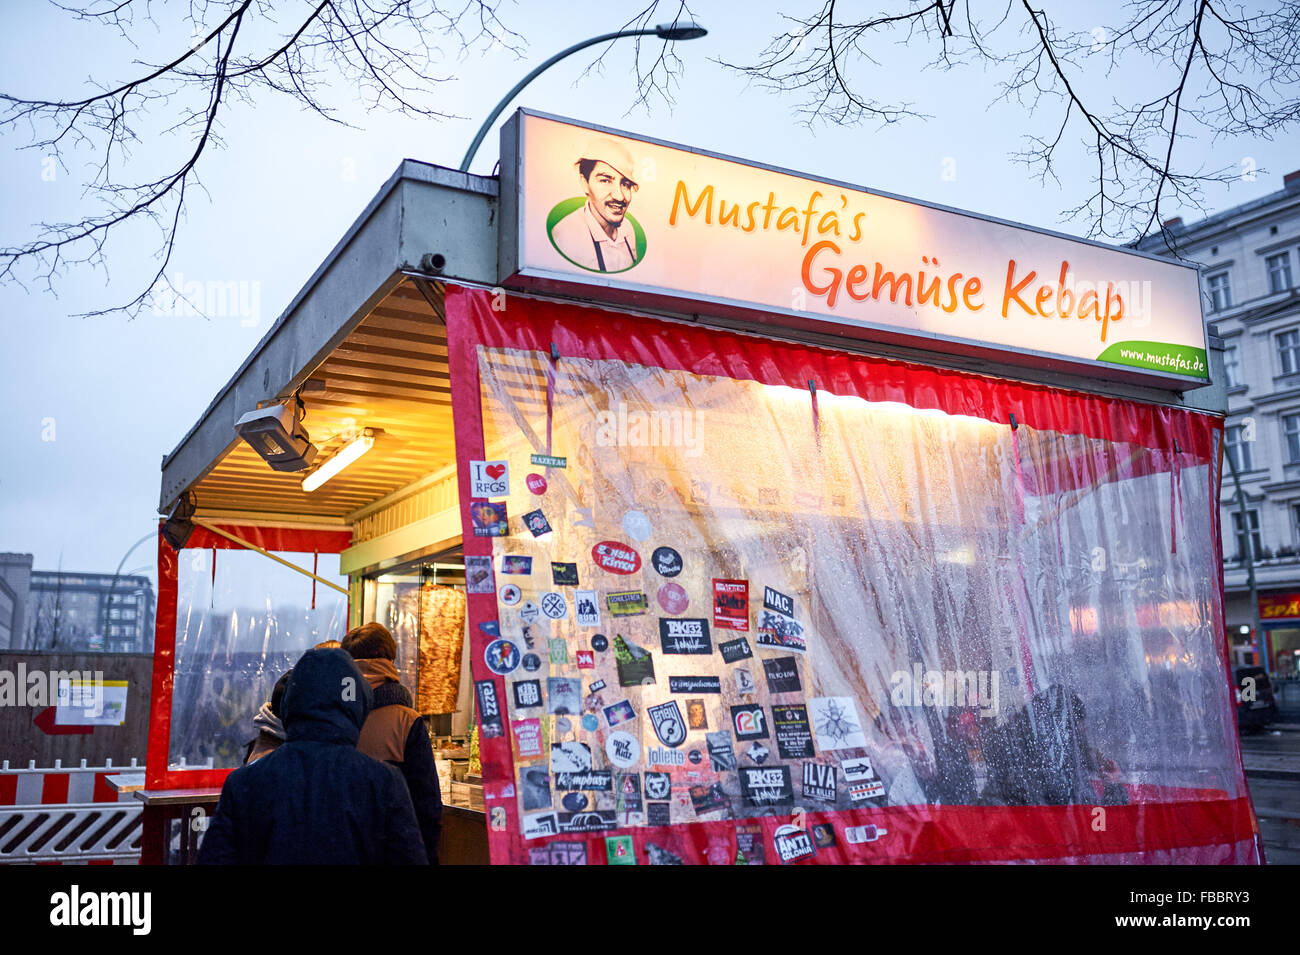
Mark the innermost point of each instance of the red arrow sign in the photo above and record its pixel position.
(44, 721)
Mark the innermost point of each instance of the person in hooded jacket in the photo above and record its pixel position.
(316, 800)
(394, 731)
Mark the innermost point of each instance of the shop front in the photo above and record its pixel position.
(722, 514)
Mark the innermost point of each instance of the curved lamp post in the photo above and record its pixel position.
(665, 31)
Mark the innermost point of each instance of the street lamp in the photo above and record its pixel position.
(667, 32)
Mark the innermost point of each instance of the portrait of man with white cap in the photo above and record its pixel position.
(599, 235)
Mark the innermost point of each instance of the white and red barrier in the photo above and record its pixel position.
(51, 815)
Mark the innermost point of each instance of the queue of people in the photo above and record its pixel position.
(341, 772)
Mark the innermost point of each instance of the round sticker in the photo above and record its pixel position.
(532, 662)
(563, 724)
(589, 723)
(574, 802)
(616, 558)
(510, 595)
(666, 562)
(529, 612)
(672, 597)
(695, 757)
(554, 606)
(501, 656)
(600, 643)
(536, 483)
(637, 526)
(623, 749)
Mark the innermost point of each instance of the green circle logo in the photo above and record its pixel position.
(570, 206)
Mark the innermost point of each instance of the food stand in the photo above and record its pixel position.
(835, 527)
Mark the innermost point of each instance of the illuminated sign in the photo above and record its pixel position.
(643, 222)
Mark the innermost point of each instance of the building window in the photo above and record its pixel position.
(1220, 294)
(1288, 351)
(1279, 272)
(1254, 542)
(1295, 525)
(1291, 433)
(1236, 448)
(1232, 366)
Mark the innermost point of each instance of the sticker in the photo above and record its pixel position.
(510, 595)
(532, 662)
(687, 635)
(559, 853)
(489, 709)
(856, 835)
(782, 675)
(635, 665)
(658, 814)
(628, 603)
(722, 757)
(539, 826)
(559, 650)
(695, 757)
(535, 787)
(793, 844)
(744, 682)
(564, 574)
(596, 687)
(694, 684)
(749, 845)
(574, 801)
(516, 564)
(586, 659)
(586, 608)
(819, 782)
(563, 695)
(696, 717)
(775, 600)
(657, 855)
(618, 850)
(731, 604)
(655, 756)
(554, 605)
(489, 520)
(599, 642)
(824, 836)
(623, 749)
(501, 656)
(836, 721)
(528, 736)
(563, 725)
(666, 562)
(673, 598)
(668, 724)
(627, 786)
(570, 757)
(536, 483)
(861, 779)
(588, 821)
(758, 753)
(734, 650)
(529, 612)
(765, 785)
(590, 723)
(591, 780)
(635, 525)
(547, 461)
(536, 523)
(706, 799)
(478, 575)
(619, 712)
(749, 722)
(793, 734)
(491, 628)
(658, 785)
(497, 819)
(489, 479)
(616, 558)
(780, 632)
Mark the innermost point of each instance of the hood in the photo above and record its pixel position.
(378, 671)
(267, 722)
(327, 699)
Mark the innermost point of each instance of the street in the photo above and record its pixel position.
(1272, 760)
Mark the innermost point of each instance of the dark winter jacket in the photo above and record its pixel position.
(316, 800)
(395, 733)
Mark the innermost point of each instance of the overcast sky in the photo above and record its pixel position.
(115, 395)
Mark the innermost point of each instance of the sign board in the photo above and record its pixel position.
(91, 703)
(643, 222)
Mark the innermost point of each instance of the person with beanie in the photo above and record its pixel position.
(394, 732)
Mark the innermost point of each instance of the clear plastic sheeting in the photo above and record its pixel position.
(239, 627)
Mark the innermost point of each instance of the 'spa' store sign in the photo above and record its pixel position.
(643, 221)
